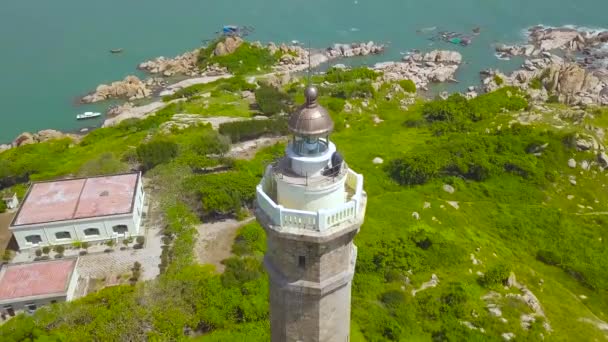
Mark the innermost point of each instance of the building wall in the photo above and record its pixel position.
(20, 305)
(77, 228)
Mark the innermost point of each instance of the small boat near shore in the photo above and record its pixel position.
(116, 50)
(87, 115)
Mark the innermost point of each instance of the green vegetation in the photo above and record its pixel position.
(156, 152)
(512, 210)
(247, 58)
(271, 100)
(498, 80)
(408, 86)
(2, 206)
(338, 75)
(536, 83)
(252, 129)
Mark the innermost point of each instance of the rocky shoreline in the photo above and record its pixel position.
(570, 65)
(563, 63)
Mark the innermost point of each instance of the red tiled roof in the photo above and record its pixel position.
(35, 279)
(77, 198)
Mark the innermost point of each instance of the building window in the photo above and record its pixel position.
(302, 261)
(91, 232)
(9, 310)
(63, 235)
(33, 239)
(120, 229)
(31, 307)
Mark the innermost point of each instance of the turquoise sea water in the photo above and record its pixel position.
(52, 52)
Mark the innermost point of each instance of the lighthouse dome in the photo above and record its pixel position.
(311, 119)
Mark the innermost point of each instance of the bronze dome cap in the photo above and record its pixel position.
(311, 119)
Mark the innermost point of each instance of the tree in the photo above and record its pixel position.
(46, 250)
(140, 240)
(270, 100)
(59, 249)
(156, 152)
(2, 206)
(105, 164)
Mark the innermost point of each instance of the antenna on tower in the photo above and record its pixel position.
(309, 63)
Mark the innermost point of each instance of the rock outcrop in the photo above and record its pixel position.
(27, 138)
(131, 88)
(568, 82)
(422, 69)
(542, 39)
(354, 49)
(184, 64)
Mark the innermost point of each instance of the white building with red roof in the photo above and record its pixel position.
(26, 287)
(89, 210)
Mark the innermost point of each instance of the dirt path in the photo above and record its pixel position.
(215, 240)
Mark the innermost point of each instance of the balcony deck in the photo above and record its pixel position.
(319, 221)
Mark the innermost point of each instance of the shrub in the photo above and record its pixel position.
(393, 298)
(2, 207)
(253, 129)
(38, 253)
(553, 99)
(109, 243)
(7, 256)
(125, 242)
(271, 100)
(137, 265)
(548, 257)
(140, 240)
(338, 75)
(77, 244)
(351, 90)
(536, 83)
(225, 193)
(498, 80)
(496, 275)
(156, 152)
(414, 169)
(85, 245)
(46, 249)
(408, 86)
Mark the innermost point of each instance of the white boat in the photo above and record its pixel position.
(87, 115)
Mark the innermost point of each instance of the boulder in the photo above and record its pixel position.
(585, 165)
(130, 87)
(572, 163)
(25, 138)
(48, 134)
(378, 160)
(232, 43)
(448, 188)
(572, 79)
(4, 147)
(602, 159)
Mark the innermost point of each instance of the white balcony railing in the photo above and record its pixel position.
(313, 220)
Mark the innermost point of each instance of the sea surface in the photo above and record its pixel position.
(52, 52)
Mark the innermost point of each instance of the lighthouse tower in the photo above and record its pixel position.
(311, 206)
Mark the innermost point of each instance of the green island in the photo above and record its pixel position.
(465, 191)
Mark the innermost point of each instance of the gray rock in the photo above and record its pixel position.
(585, 165)
(602, 158)
(508, 336)
(416, 216)
(378, 160)
(448, 188)
(572, 163)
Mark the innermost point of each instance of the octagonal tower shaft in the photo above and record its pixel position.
(311, 206)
